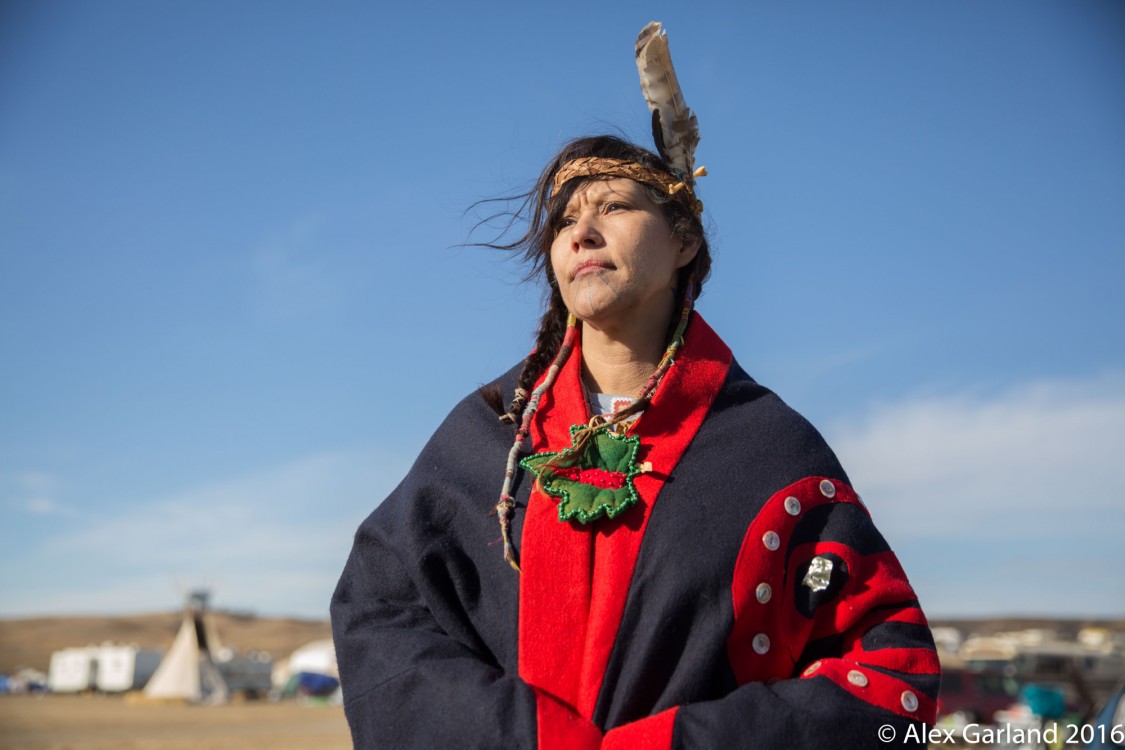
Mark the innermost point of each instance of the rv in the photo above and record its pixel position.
(73, 670)
(124, 668)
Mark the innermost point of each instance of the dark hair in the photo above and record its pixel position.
(541, 211)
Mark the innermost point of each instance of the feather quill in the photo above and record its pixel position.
(675, 129)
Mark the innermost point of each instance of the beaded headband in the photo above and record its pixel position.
(596, 166)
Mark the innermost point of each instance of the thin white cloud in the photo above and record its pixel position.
(45, 506)
(1011, 502)
(1005, 465)
(36, 481)
(35, 492)
(274, 540)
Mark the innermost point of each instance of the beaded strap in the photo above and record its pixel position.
(507, 503)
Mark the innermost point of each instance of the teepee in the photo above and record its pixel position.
(188, 670)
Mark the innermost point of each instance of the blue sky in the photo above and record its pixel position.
(234, 300)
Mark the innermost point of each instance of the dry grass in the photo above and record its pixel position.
(94, 722)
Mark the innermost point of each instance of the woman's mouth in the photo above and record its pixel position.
(591, 266)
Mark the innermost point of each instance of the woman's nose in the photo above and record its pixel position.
(585, 232)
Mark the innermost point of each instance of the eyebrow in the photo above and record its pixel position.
(603, 194)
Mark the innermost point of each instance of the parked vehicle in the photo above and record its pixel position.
(975, 696)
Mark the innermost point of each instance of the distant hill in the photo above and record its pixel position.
(30, 642)
(1067, 629)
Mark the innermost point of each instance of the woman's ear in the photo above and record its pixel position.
(687, 252)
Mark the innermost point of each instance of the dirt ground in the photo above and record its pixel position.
(65, 722)
(98, 722)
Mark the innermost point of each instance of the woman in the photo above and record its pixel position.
(694, 570)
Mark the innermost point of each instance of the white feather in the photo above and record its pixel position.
(674, 123)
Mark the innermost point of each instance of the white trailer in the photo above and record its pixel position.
(73, 670)
(124, 668)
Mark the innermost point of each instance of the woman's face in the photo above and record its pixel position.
(614, 254)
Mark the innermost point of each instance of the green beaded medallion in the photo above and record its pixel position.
(598, 482)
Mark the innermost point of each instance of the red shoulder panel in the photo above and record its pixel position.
(770, 633)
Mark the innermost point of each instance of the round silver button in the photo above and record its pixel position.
(857, 678)
(827, 488)
(761, 643)
(792, 505)
(763, 593)
(909, 701)
(771, 540)
(811, 669)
